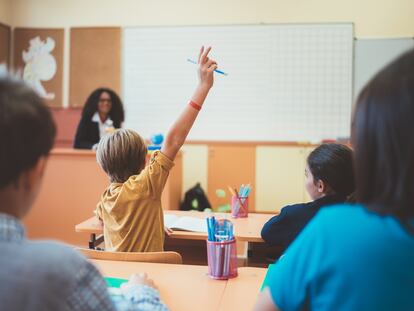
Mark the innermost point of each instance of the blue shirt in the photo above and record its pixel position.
(347, 258)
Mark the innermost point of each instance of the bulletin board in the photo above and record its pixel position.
(38, 55)
(95, 61)
(5, 39)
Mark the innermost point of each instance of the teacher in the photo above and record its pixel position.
(103, 112)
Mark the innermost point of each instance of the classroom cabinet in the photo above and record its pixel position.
(195, 159)
(275, 172)
(280, 178)
(230, 166)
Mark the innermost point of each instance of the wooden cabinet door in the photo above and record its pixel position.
(279, 177)
(230, 165)
(195, 163)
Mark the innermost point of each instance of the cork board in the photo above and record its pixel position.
(5, 37)
(43, 68)
(95, 61)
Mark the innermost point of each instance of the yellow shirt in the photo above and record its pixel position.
(131, 211)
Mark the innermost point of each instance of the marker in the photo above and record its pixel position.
(233, 193)
(216, 70)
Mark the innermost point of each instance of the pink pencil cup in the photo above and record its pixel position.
(222, 259)
(239, 207)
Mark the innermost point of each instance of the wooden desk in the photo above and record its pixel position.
(241, 292)
(185, 287)
(245, 229)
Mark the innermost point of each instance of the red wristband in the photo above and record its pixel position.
(195, 106)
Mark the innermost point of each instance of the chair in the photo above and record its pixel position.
(155, 257)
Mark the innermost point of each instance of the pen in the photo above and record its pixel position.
(246, 191)
(208, 229)
(216, 70)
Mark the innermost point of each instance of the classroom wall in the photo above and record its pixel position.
(387, 18)
(5, 12)
(372, 18)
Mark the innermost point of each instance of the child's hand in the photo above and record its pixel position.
(137, 279)
(206, 68)
(179, 130)
(168, 231)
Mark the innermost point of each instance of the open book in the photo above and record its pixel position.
(185, 223)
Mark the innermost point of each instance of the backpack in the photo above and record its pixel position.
(195, 199)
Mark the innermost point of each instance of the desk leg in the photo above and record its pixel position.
(249, 254)
(94, 241)
(249, 250)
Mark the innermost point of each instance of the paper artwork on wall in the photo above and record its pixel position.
(40, 65)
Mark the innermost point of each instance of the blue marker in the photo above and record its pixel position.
(211, 223)
(216, 70)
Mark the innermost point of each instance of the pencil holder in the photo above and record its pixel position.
(239, 206)
(222, 259)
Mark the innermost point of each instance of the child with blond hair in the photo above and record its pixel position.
(130, 208)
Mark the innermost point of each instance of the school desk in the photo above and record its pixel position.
(246, 229)
(241, 292)
(188, 287)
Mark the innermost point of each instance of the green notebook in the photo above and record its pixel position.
(115, 282)
(266, 279)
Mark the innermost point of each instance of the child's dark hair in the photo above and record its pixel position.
(117, 111)
(27, 130)
(333, 164)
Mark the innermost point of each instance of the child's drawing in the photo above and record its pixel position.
(40, 65)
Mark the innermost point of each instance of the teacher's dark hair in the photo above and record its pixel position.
(333, 164)
(27, 130)
(382, 135)
(117, 111)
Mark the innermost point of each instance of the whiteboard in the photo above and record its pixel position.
(373, 54)
(284, 83)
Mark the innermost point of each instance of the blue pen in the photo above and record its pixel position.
(213, 229)
(208, 228)
(246, 191)
(216, 70)
(228, 247)
(241, 191)
(230, 230)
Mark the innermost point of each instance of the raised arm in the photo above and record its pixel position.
(178, 132)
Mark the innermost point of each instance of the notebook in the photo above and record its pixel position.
(114, 282)
(114, 285)
(185, 223)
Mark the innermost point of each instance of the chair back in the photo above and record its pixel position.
(155, 257)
